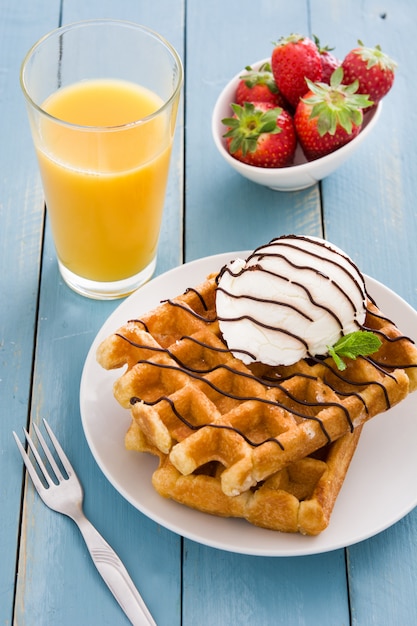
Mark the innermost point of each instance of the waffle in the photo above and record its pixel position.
(238, 432)
(299, 498)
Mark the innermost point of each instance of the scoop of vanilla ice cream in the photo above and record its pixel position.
(290, 299)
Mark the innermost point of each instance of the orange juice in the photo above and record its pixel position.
(105, 183)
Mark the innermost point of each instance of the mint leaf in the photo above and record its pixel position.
(358, 343)
(341, 365)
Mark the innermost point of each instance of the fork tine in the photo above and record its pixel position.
(29, 465)
(37, 456)
(48, 454)
(62, 456)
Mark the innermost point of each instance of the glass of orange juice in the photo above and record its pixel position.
(102, 98)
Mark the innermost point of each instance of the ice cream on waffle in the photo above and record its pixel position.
(231, 384)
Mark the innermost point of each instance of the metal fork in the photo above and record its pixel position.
(65, 495)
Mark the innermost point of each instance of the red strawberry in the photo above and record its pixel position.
(329, 116)
(372, 68)
(259, 86)
(294, 59)
(261, 134)
(329, 63)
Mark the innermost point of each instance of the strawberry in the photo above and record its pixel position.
(329, 63)
(372, 68)
(329, 116)
(261, 134)
(294, 59)
(259, 86)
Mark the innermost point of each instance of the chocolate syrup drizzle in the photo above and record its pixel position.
(268, 381)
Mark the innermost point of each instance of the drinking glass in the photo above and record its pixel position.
(102, 98)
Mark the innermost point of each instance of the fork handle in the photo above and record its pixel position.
(114, 574)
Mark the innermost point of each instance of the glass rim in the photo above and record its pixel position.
(100, 22)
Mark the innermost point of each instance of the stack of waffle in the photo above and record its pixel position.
(268, 444)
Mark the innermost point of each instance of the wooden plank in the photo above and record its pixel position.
(57, 581)
(223, 210)
(369, 210)
(223, 588)
(368, 203)
(382, 575)
(226, 212)
(21, 217)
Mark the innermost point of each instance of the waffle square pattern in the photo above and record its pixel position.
(270, 444)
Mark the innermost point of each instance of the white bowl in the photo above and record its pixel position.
(303, 173)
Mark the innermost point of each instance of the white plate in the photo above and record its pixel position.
(380, 487)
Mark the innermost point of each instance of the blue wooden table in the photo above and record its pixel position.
(367, 208)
